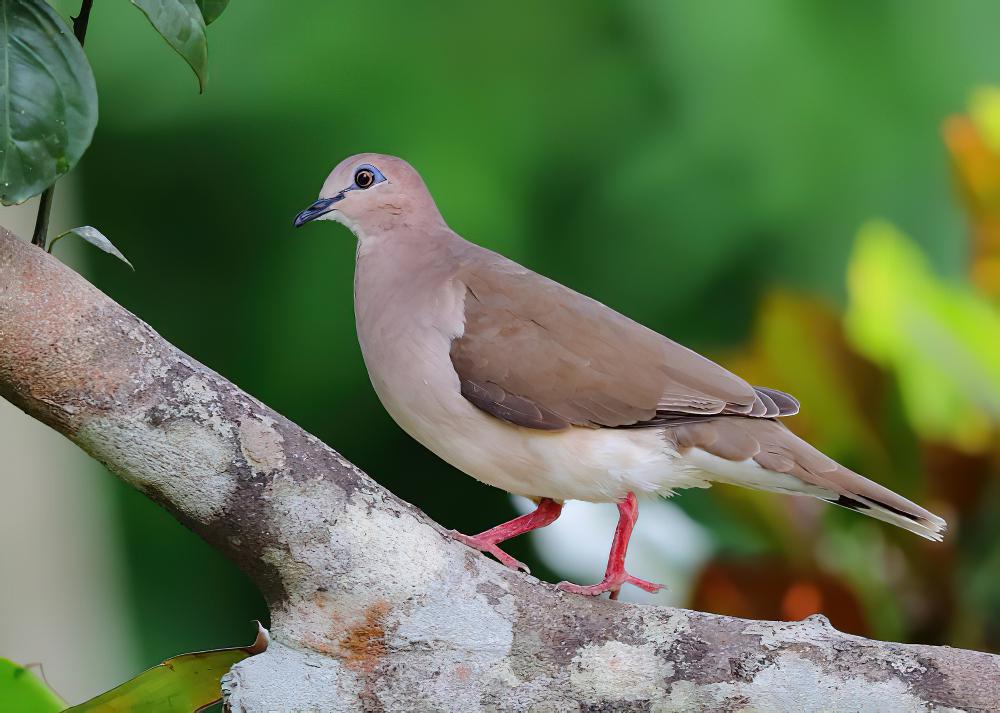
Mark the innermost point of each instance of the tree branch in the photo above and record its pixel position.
(372, 607)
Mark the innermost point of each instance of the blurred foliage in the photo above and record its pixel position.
(974, 143)
(921, 417)
(703, 167)
(22, 692)
(942, 341)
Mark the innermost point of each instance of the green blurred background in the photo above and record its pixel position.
(712, 169)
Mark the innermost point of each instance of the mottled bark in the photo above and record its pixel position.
(372, 607)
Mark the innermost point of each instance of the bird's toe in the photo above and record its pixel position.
(490, 547)
(612, 584)
(587, 590)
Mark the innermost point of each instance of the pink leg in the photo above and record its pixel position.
(545, 514)
(615, 575)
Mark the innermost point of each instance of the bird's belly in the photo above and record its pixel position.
(421, 392)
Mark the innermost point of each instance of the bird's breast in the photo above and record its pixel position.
(405, 328)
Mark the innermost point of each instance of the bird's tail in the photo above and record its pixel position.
(764, 454)
(913, 518)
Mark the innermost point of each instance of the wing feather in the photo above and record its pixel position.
(537, 354)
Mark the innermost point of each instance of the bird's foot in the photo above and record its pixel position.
(488, 545)
(545, 514)
(612, 583)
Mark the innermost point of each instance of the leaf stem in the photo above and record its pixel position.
(45, 202)
(42, 219)
(81, 20)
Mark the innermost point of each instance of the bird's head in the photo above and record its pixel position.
(371, 192)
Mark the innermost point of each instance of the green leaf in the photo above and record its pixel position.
(985, 111)
(181, 24)
(48, 100)
(941, 340)
(96, 238)
(20, 690)
(180, 684)
(211, 9)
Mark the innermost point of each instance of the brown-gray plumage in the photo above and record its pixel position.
(774, 448)
(529, 386)
(537, 354)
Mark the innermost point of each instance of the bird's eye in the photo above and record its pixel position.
(364, 178)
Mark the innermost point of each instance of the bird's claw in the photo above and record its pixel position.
(489, 547)
(611, 584)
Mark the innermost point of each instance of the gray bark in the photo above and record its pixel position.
(372, 607)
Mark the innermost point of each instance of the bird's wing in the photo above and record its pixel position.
(537, 354)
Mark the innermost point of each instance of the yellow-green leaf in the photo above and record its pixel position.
(181, 684)
(941, 340)
(984, 108)
(22, 691)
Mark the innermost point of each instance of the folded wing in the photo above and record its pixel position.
(540, 355)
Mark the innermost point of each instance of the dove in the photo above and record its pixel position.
(531, 387)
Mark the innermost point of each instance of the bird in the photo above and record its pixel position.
(529, 386)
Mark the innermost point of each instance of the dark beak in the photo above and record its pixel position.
(320, 207)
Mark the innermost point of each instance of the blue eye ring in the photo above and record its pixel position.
(366, 176)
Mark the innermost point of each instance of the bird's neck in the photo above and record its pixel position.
(395, 218)
(411, 270)
(402, 249)
(399, 234)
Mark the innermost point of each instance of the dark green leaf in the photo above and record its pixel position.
(211, 9)
(182, 26)
(94, 237)
(181, 684)
(48, 100)
(20, 690)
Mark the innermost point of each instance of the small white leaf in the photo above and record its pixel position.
(96, 238)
